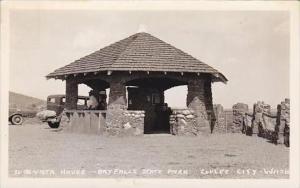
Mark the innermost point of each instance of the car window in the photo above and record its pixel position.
(52, 100)
(63, 100)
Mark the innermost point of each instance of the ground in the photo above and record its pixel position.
(37, 150)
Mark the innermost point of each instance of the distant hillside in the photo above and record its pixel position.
(24, 102)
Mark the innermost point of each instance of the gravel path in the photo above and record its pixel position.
(36, 150)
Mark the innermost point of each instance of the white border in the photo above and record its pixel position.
(292, 7)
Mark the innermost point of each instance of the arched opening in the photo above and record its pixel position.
(176, 96)
(83, 90)
(147, 94)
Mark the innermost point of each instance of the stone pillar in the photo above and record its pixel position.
(239, 111)
(71, 94)
(258, 124)
(198, 100)
(283, 122)
(117, 95)
(116, 107)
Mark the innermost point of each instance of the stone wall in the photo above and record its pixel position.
(268, 124)
(132, 123)
(239, 111)
(258, 124)
(284, 121)
(183, 122)
(125, 122)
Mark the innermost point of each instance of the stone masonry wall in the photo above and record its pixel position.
(258, 109)
(284, 121)
(268, 124)
(239, 111)
(183, 122)
(132, 123)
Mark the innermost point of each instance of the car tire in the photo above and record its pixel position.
(16, 119)
(53, 125)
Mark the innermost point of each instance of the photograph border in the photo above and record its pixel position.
(291, 6)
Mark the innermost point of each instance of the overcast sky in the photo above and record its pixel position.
(250, 48)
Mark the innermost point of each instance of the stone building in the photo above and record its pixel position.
(138, 70)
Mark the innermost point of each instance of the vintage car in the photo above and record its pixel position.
(15, 116)
(55, 107)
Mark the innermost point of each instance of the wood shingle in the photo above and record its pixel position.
(138, 52)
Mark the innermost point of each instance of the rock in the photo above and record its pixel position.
(190, 116)
(180, 116)
(127, 126)
(182, 122)
(186, 112)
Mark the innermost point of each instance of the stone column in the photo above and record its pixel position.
(116, 107)
(71, 94)
(239, 111)
(117, 95)
(199, 101)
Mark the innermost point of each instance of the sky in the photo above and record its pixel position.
(251, 48)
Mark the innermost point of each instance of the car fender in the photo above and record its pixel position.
(13, 114)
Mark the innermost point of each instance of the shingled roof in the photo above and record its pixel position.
(138, 52)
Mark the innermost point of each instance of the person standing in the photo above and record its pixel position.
(93, 102)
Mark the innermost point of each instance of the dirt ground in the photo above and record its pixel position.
(35, 150)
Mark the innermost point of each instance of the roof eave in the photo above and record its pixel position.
(220, 78)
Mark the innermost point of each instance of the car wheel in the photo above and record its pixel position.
(17, 119)
(53, 125)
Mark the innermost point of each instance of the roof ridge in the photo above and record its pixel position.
(96, 51)
(134, 36)
(181, 51)
(163, 42)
